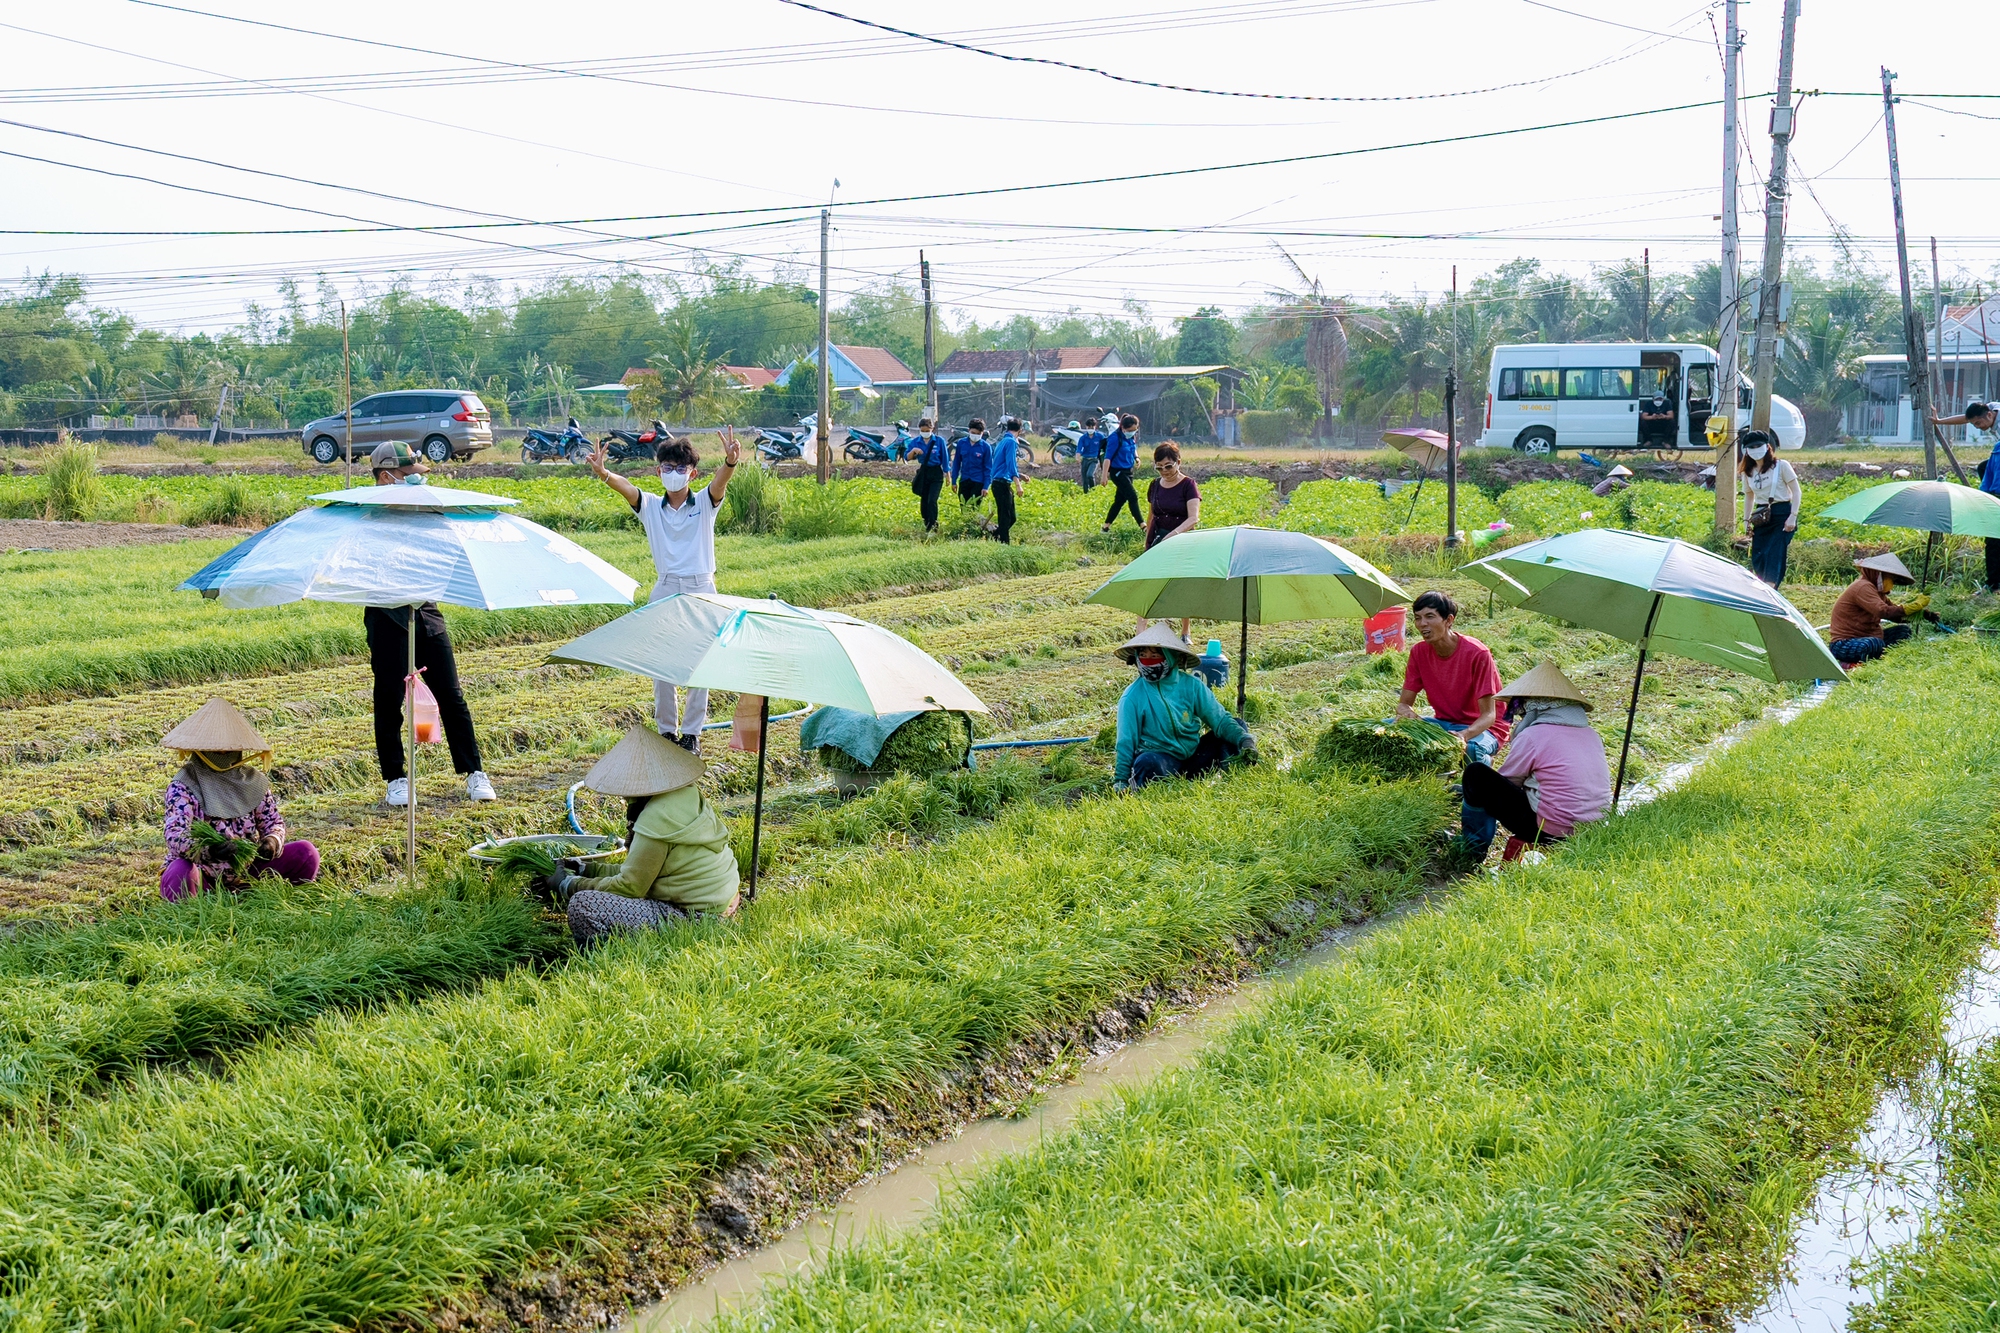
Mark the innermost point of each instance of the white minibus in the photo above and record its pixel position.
(1545, 396)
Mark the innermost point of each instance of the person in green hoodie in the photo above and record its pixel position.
(1169, 723)
(678, 862)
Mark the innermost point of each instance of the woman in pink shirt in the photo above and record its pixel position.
(1555, 776)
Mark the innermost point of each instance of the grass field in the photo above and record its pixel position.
(1509, 1113)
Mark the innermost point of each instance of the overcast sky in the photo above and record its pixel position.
(684, 108)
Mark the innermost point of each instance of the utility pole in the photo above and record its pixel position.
(1728, 353)
(1646, 298)
(1451, 426)
(1030, 423)
(1937, 322)
(1765, 361)
(930, 357)
(347, 392)
(1915, 351)
(823, 431)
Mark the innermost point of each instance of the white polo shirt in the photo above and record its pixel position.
(682, 539)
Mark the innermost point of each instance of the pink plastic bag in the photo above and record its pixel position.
(430, 729)
(1384, 630)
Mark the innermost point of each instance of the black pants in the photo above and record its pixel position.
(1003, 508)
(1210, 752)
(930, 480)
(1500, 798)
(968, 490)
(1993, 564)
(1121, 478)
(1771, 545)
(388, 658)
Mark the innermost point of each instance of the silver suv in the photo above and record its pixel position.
(440, 424)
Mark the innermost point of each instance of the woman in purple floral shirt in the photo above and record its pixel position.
(220, 784)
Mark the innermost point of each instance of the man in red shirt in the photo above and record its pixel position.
(1456, 673)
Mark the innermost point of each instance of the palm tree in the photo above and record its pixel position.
(1821, 369)
(1323, 320)
(186, 377)
(689, 376)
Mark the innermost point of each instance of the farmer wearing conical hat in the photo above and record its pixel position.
(221, 786)
(1857, 631)
(1555, 777)
(1169, 723)
(678, 863)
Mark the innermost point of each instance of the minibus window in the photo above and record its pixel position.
(1701, 387)
(1608, 382)
(1518, 384)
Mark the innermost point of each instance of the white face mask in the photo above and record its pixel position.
(674, 481)
(1756, 452)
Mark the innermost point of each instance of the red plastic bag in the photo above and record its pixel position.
(1384, 630)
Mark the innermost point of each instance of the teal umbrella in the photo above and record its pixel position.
(771, 648)
(1665, 596)
(1928, 506)
(1252, 575)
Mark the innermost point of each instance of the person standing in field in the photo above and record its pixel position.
(1006, 475)
(1456, 673)
(1983, 418)
(680, 531)
(933, 457)
(1775, 498)
(1089, 449)
(972, 463)
(1121, 455)
(388, 629)
(1173, 501)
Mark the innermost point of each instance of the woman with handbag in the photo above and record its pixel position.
(1774, 503)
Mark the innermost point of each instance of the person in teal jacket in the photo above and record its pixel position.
(1169, 723)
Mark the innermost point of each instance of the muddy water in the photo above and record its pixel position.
(1890, 1180)
(904, 1197)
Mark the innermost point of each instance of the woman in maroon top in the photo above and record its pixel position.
(1173, 503)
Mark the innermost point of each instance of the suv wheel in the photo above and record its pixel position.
(1537, 440)
(438, 449)
(325, 449)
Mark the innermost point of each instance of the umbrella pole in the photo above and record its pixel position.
(757, 809)
(1243, 650)
(410, 725)
(1930, 543)
(1417, 495)
(1632, 709)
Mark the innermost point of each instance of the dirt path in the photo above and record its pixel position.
(34, 534)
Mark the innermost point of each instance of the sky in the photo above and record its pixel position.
(672, 136)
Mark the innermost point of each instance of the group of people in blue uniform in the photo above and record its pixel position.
(976, 467)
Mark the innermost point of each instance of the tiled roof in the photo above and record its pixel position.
(877, 363)
(751, 377)
(1002, 360)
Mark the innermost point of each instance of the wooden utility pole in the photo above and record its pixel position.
(1728, 351)
(1646, 297)
(1029, 424)
(1915, 341)
(1937, 322)
(347, 392)
(930, 356)
(823, 431)
(1451, 426)
(1765, 361)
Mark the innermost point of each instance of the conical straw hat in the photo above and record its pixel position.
(645, 763)
(1159, 634)
(1887, 563)
(1545, 682)
(217, 725)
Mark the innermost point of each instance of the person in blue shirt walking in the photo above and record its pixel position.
(972, 463)
(1006, 475)
(1983, 418)
(1089, 449)
(1121, 455)
(933, 457)
(1169, 722)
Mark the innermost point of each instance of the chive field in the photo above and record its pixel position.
(1506, 1113)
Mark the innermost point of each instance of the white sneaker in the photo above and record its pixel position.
(479, 788)
(399, 792)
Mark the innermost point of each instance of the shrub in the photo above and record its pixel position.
(750, 505)
(71, 489)
(813, 511)
(1268, 429)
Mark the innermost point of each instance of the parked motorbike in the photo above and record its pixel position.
(1062, 445)
(871, 446)
(778, 445)
(1024, 451)
(624, 446)
(571, 446)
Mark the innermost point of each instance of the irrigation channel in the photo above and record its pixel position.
(904, 1196)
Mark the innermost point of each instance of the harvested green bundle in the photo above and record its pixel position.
(930, 742)
(529, 860)
(1395, 749)
(238, 852)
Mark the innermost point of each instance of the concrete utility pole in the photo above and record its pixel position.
(1937, 322)
(1729, 352)
(1451, 426)
(1646, 298)
(824, 429)
(1029, 424)
(347, 392)
(1765, 363)
(930, 357)
(1915, 350)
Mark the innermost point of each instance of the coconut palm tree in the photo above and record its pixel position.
(1324, 321)
(1820, 370)
(690, 379)
(187, 378)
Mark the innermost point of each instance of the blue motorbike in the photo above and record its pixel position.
(542, 446)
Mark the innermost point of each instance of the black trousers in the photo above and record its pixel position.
(1500, 798)
(1993, 563)
(1003, 508)
(1121, 478)
(968, 490)
(388, 659)
(930, 480)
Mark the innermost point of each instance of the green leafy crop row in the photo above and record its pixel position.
(1504, 1114)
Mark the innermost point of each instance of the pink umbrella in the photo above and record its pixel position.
(1425, 448)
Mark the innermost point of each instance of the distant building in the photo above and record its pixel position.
(993, 366)
(863, 369)
(751, 378)
(1964, 348)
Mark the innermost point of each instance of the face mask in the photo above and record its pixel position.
(1756, 452)
(1153, 670)
(414, 479)
(674, 481)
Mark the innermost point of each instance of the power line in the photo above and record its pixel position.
(1613, 23)
(1184, 88)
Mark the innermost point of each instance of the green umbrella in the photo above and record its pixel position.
(772, 648)
(1665, 596)
(1927, 506)
(1252, 575)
